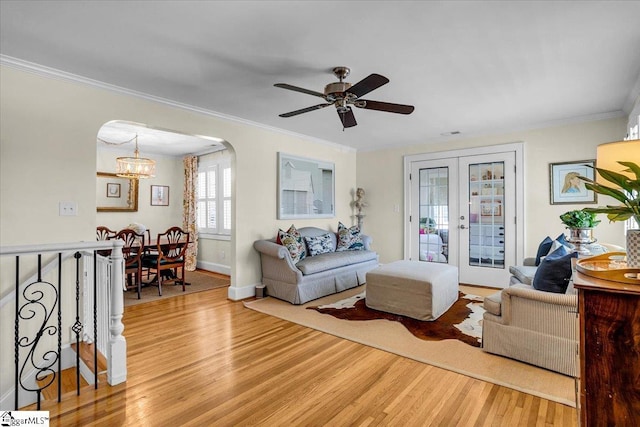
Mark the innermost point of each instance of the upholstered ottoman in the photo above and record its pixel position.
(420, 290)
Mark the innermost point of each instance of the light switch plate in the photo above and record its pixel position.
(68, 208)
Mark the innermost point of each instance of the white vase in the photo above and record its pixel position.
(633, 248)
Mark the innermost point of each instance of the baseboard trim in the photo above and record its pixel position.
(214, 267)
(237, 294)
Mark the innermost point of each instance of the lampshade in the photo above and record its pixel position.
(608, 155)
(135, 167)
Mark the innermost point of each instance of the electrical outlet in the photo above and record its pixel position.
(68, 208)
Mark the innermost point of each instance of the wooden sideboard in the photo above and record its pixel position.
(609, 352)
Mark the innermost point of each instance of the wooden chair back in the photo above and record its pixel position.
(171, 249)
(172, 246)
(104, 233)
(132, 253)
(133, 247)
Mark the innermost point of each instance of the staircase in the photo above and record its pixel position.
(72, 380)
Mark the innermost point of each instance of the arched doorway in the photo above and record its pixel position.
(167, 148)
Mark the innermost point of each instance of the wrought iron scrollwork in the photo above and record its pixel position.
(41, 299)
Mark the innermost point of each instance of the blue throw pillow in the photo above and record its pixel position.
(319, 244)
(563, 239)
(543, 249)
(554, 272)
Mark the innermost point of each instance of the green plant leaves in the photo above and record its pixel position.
(579, 219)
(630, 197)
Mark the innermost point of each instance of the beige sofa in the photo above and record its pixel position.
(533, 326)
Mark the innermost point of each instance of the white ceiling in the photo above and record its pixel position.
(119, 135)
(476, 67)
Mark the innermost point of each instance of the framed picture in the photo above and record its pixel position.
(565, 186)
(113, 189)
(159, 195)
(306, 188)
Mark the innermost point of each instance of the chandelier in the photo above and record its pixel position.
(135, 167)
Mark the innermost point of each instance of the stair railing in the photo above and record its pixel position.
(47, 299)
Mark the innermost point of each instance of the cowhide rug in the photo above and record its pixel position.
(463, 321)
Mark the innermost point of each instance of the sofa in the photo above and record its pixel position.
(313, 276)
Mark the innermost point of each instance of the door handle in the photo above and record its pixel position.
(463, 226)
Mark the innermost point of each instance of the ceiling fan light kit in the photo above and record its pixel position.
(342, 95)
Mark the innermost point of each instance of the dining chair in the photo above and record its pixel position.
(150, 251)
(171, 247)
(104, 233)
(132, 254)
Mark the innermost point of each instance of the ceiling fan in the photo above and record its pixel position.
(343, 95)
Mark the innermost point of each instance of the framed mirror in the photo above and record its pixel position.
(306, 188)
(116, 194)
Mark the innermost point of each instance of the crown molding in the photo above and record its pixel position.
(54, 73)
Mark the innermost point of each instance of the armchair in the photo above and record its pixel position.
(533, 326)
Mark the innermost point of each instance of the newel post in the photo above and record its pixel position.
(117, 360)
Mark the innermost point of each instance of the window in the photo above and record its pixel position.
(214, 197)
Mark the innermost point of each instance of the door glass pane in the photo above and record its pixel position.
(486, 214)
(434, 214)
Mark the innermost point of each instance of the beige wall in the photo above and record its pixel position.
(543, 146)
(48, 154)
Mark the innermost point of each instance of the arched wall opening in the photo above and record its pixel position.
(167, 148)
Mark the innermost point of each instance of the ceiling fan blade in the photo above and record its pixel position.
(366, 85)
(304, 110)
(385, 106)
(299, 89)
(347, 118)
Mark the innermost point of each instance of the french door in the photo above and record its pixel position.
(462, 212)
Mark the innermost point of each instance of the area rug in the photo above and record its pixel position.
(463, 321)
(199, 281)
(449, 354)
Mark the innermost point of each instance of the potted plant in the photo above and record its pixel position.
(579, 219)
(626, 190)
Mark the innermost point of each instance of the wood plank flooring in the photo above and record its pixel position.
(202, 360)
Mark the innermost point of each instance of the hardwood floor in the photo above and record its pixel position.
(202, 360)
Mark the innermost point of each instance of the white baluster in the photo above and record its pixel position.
(117, 360)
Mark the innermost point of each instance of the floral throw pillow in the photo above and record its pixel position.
(292, 240)
(319, 244)
(349, 238)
